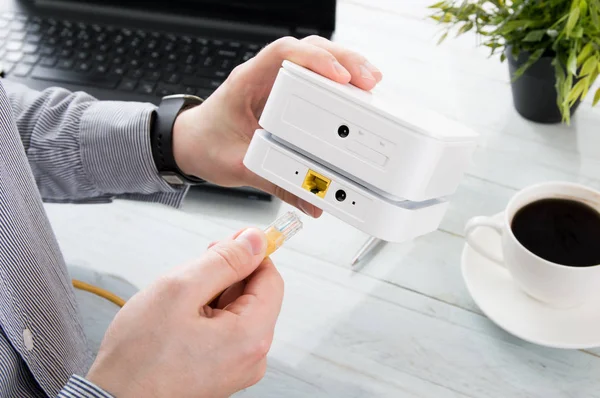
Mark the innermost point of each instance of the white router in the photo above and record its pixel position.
(381, 165)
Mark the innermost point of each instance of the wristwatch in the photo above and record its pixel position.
(161, 138)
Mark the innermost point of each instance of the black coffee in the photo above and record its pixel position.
(563, 231)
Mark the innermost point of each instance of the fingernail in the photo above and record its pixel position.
(365, 73)
(307, 208)
(254, 239)
(341, 70)
(372, 68)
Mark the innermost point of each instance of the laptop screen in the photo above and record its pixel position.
(305, 14)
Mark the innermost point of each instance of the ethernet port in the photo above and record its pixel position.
(316, 183)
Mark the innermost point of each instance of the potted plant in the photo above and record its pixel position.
(552, 48)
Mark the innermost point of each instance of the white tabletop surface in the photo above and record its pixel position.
(403, 325)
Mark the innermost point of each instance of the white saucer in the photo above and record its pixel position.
(513, 310)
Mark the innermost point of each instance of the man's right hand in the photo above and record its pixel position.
(166, 342)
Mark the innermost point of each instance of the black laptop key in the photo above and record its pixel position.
(227, 53)
(71, 77)
(200, 82)
(172, 78)
(151, 65)
(13, 46)
(172, 57)
(171, 67)
(120, 50)
(83, 66)
(13, 56)
(82, 55)
(21, 70)
(34, 37)
(17, 26)
(101, 69)
(128, 84)
(100, 58)
(153, 75)
(226, 64)
(46, 50)
(247, 55)
(65, 64)
(135, 73)
(86, 45)
(189, 90)
(18, 36)
(34, 28)
(30, 59)
(190, 59)
(65, 53)
(146, 87)
(118, 70)
(163, 89)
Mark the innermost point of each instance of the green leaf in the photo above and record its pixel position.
(596, 97)
(577, 91)
(502, 57)
(533, 58)
(572, 21)
(535, 35)
(585, 52)
(465, 28)
(577, 33)
(572, 64)
(583, 7)
(437, 5)
(442, 38)
(594, 16)
(589, 66)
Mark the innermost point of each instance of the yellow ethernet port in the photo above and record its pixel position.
(316, 183)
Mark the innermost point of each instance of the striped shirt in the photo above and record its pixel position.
(62, 147)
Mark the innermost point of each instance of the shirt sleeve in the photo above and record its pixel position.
(78, 387)
(84, 150)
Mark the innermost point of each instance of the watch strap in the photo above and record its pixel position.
(161, 138)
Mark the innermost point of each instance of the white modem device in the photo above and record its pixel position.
(379, 164)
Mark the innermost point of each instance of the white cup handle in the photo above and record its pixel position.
(489, 222)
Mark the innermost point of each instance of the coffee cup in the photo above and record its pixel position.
(549, 244)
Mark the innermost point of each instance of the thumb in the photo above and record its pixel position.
(224, 264)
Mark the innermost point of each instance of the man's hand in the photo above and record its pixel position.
(211, 140)
(166, 342)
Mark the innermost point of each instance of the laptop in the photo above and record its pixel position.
(142, 50)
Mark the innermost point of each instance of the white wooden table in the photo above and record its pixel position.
(404, 325)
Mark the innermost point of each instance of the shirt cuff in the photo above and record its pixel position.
(78, 387)
(116, 152)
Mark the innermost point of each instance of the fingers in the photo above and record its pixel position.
(230, 294)
(302, 53)
(223, 265)
(364, 74)
(260, 304)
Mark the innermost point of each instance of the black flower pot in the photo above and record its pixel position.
(534, 93)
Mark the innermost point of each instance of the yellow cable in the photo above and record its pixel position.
(99, 292)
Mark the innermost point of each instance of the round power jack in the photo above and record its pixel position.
(343, 131)
(340, 195)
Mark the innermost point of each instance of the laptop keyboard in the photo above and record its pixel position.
(141, 61)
